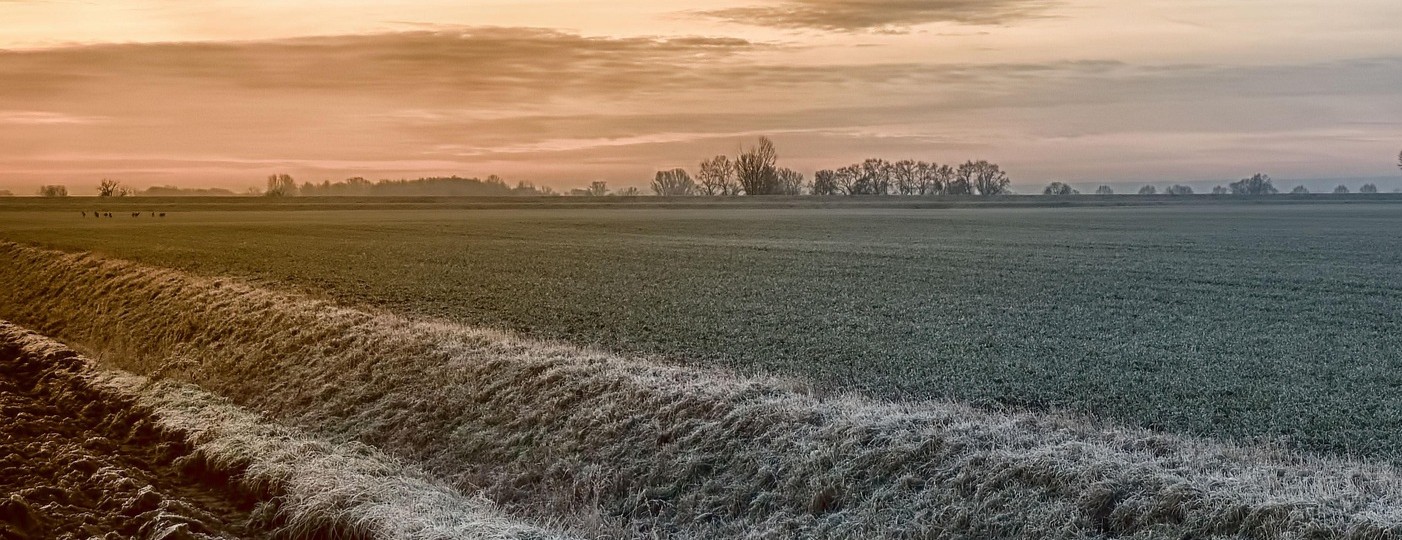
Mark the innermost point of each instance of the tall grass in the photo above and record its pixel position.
(551, 431)
(309, 488)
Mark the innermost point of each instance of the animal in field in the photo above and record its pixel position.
(85, 213)
(136, 214)
(163, 214)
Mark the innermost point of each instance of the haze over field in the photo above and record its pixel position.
(561, 93)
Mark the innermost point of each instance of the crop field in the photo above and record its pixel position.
(1243, 322)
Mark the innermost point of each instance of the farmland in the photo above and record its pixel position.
(1236, 321)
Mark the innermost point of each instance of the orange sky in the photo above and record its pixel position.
(224, 92)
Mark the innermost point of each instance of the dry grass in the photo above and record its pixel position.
(551, 431)
(310, 488)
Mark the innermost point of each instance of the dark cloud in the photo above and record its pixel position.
(880, 15)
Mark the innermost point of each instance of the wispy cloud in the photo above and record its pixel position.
(879, 15)
(43, 118)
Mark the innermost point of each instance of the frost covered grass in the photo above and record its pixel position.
(1238, 321)
(603, 444)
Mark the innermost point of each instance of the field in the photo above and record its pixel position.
(1143, 369)
(1233, 321)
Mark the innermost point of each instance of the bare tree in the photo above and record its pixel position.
(1179, 189)
(1104, 190)
(1220, 190)
(109, 188)
(717, 177)
(935, 178)
(847, 179)
(1149, 190)
(1300, 190)
(1368, 188)
(1341, 189)
(876, 177)
(629, 191)
(1257, 184)
(986, 178)
(824, 183)
(281, 185)
(597, 188)
(907, 176)
(756, 171)
(53, 191)
(1059, 188)
(790, 181)
(673, 183)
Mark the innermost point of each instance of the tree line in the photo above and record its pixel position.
(755, 171)
(1257, 184)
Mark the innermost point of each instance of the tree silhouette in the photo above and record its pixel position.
(673, 183)
(281, 185)
(109, 188)
(756, 171)
(597, 188)
(985, 178)
(1179, 189)
(717, 177)
(53, 191)
(1368, 188)
(1300, 190)
(1148, 190)
(1058, 188)
(1341, 189)
(824, 183)
(1257, 184)
(790, 181)
(1104, 190)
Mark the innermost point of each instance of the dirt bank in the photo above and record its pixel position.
(75, 463)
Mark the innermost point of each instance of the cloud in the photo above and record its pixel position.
(879, 15)
(42, 118)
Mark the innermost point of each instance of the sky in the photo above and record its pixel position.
(222, 93)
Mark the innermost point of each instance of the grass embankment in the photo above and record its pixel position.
(602, 443)
(275, 481)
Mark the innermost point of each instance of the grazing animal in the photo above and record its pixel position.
(163, 214)
(85, 214)
(136, 214)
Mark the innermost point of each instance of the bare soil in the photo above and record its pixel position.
(75, 463)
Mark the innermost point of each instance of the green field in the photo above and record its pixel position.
(1274, 321)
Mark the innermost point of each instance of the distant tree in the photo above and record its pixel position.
(1368, 188)
(629, 191)
(6, 193)
(987, 179)
(1399, 160)
(848, 180)
(281, 185)
(109, 188)
(756, 171)
(673, 183)
(876, 177)
(1257, 184)
(717, 177)
(1148, 190)
(934, 178)
(1220, 190)
(1341, 189)
(597, 188)
(1300, 190)
(790, 181)
(53, 191)
(824, 183)
(1104, 190)
(1179, 189)
(1058, 188)
(907, 176)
